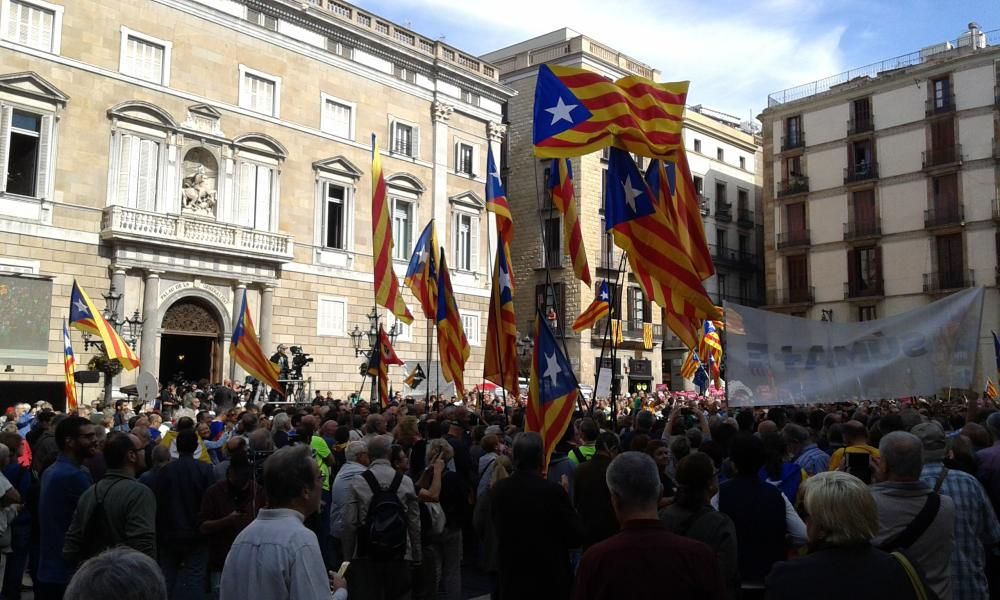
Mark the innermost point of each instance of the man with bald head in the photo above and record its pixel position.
(855, 442)
(767, 426)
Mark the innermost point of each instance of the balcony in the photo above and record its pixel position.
(724, 212)
(631, 331)
(793, 239)
(745, 218)
(609, 264)
(723, 256)
(793, 142)
(797, 184)
(788, 296)
(944, 217)
(860, 172)
(940, 106)
(946, 281)
(748, 260)
(858, 126)
(943, 157)
(194, 233)
(855, 290)
(861, 230)
(703, 205)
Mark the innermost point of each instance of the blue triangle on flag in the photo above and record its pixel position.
(556, 108)
(627, 196)
(556, 378)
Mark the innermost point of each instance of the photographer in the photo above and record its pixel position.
(281, 359)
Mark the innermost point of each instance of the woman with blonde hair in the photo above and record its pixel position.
(842, 519)
(483, 522)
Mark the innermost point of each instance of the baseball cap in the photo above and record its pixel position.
(933, 439)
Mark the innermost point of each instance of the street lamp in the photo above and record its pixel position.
(129, 329)
(357, 338)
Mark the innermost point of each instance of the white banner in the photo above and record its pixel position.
(772, 358)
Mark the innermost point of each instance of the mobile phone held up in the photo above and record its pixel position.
(859, 465)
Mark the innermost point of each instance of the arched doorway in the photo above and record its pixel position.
(191, 342)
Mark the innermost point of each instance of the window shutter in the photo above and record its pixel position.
(147, 175)
(877, 256)
(262, 210)
(631, 304)
(458, 157)
(456, 228)
(6, 113)
(852, 268)
(474, 245)
(126, 151)
(244, 208)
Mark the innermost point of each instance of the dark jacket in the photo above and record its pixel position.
(593, 500)
(855, 572)
(129, 517)
(713, 529)
(646, 562)
(179, 487)
(758, 512)
(536, 527)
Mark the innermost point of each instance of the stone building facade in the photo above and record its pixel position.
(189, 152)
(880, 187)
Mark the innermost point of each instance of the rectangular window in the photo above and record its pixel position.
(402, 139)
(404, 331)
(553, 243)
(720, 194)
(744, 245)
(331, 315)
(723, 287)
(338, 118)
(945, 196)
(259, 93)
(950, 260)
(144, 59)
(699, 185)
(31, 24)
(335, 218)
(743, 162)
(464, 159)
(720, 154)
(867, 313)
(745, 291)
(265, 21)
(697, 145)
(942, 93)
(742, 199)
(138, 172)
(551, 299)
(470, 324)
(23, 153)
(720, 239)
(402, 228)
(793, 131)
(256, 188)
(466, 241)
(638, 308)
(798, 277)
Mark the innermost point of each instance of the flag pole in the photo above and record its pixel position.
(499, 320)
(725, 345)
(607, 324)
(374, 405)
(430, 349)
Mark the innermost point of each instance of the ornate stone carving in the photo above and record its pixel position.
(198, 189)
(496, 131)
(190, 317)
(441, 111)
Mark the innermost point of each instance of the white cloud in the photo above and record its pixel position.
(734, 56)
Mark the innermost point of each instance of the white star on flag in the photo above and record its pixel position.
(552, 369)
(424, 255)
(561, 112)
(504, 280)
(81, 307)
(604, 295)
(630, 193)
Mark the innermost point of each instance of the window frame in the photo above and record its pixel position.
(473, 171)
(55, 43)
(325, 124)
(473, 340)
(459, 212)
(347, 241)
(244, 92)
(405, 331)
(167, 46)
(331, 332)
(399, 252)
(414, 138)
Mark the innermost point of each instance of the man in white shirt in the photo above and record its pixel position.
(277, 557)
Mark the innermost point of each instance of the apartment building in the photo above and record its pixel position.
(880, 186)
(191, 153)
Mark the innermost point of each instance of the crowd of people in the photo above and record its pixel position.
(199, 496)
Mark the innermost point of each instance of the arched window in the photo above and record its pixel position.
(404, 194)
(141, 135)
(258, 161)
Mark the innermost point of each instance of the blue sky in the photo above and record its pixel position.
(734, 53)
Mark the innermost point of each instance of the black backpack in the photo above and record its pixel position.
(383, 537)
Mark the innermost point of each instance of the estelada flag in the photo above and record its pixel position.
(421, 274)
(991, 390)
(561, 186)
(84, 316)
(500, 365)
(69, 365)
(579, 111)
(552, 389)
(496, 200)
(246, 351)
(597, 310)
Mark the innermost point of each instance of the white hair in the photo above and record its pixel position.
(120, 573)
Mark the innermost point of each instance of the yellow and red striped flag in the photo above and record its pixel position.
(710, 348)
(84, 316)
(421, 274)
(69, 364)
(387, 292)
(991, 390)
(561, 186)
(687, 216)
(647, 336)
(685, 328)
(246, 351)
(496, 200)
(500, 364)
(597, 310)
(617, 336)
(453, 346)
(578, 111)
(690, 366)
(378, 366)
(552, 389)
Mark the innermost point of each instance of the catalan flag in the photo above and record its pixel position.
(421, 274)
(496, 200)
(69, 364)
(711, 345)
(616, 332)
(83, 316)
(991, 390)
(501, 331)
(598, 309)
(552, 389)
(655, 255)
(246, 351)
(378, 366)
(685, 328)
(578, 111)
(647, 336)
(453, 347)
(691, 365)
(387, 292)
(686, 220)
(561, 186)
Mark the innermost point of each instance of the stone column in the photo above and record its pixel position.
(118, 285)
(235, 371)
(440, 113)
(150, 324)
(266, 308)
(495, 133)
